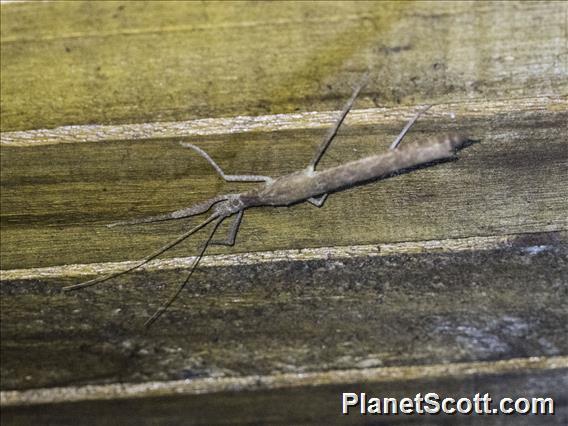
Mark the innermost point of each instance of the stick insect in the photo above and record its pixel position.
(304, 185)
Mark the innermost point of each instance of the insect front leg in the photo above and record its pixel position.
(193, 210)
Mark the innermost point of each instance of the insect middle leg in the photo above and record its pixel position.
(233, 229)
(226, 177)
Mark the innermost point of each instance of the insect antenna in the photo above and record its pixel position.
(147, 258)
(171, 300)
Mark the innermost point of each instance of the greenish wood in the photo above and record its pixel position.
(122, 62)
(291, 317)
(118, 63)
(56, 198)
(111, 62)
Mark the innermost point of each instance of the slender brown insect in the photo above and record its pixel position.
(304, 185)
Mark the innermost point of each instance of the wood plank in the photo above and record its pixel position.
(55, 198)
(379, 375)
(292, 316)
(95, 99)
(308, 405)
(108, 63)
(514, 181)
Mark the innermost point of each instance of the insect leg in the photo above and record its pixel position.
(333, 131)
(318, 201)
(193, 210)
(171, 300)
(406, 128)
(228, 178)
(146, 259)
(231, 237)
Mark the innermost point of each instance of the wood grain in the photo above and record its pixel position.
(110, 63)
(95, 98)
(513, 181)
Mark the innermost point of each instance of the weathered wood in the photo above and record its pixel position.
(51, 196)
(348, 377)
(95, 97)
(295, 316)
(98, 62)
(308, 405)
(53, 211)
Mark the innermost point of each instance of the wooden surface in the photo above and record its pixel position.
(310, 405)
(95, 97)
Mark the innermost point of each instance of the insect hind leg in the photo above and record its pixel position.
(406, 128)
(318, 201)
(333, 131)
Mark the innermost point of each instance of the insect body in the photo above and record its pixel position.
(305, 185)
